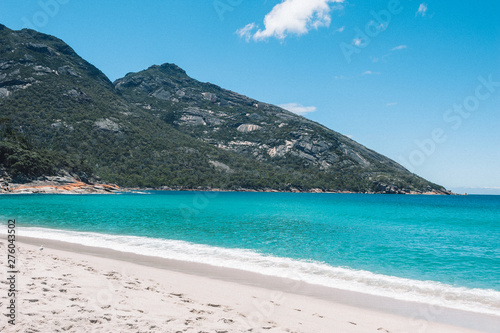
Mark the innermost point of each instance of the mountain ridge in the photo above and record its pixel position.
(161, 128)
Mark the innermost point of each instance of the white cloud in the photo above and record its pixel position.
(384, 57)
(246, 31)
(350, 77)
(341, 29)
(399, 47)
(357, 41)
(297, 108)
(370, 73)
(422, 10)
(296, 17)
(391, 104)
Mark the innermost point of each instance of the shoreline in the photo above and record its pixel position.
(402, 312)
(132, 189)
(98, 188)
(67, 184)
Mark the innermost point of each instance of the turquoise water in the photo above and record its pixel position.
(424, 247)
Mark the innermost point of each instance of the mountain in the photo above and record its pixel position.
(161, 128)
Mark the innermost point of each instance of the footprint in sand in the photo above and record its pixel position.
(200, 311)
(214, 305)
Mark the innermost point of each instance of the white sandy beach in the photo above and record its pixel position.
(69, 291)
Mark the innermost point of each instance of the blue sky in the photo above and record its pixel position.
(416, 81)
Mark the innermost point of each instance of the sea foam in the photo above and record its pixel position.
(485, 301)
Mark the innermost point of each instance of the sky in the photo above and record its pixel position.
(416, 81)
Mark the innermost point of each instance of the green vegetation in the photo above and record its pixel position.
(21, 159)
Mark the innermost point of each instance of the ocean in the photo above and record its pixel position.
(441, 250)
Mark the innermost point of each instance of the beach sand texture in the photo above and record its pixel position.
(63, 291)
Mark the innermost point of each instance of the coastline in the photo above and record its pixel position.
(78, 187)
(68, 184)
(248, 295)
(58, 185)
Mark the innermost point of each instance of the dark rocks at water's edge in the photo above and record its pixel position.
(290, 190)
(61, 184)
(391, 189)
(160, 129)
(65, 183)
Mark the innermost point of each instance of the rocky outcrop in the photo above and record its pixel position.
(63, 184)
(220, 166)
(4, 92)
(245, 128)
(107, 125)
